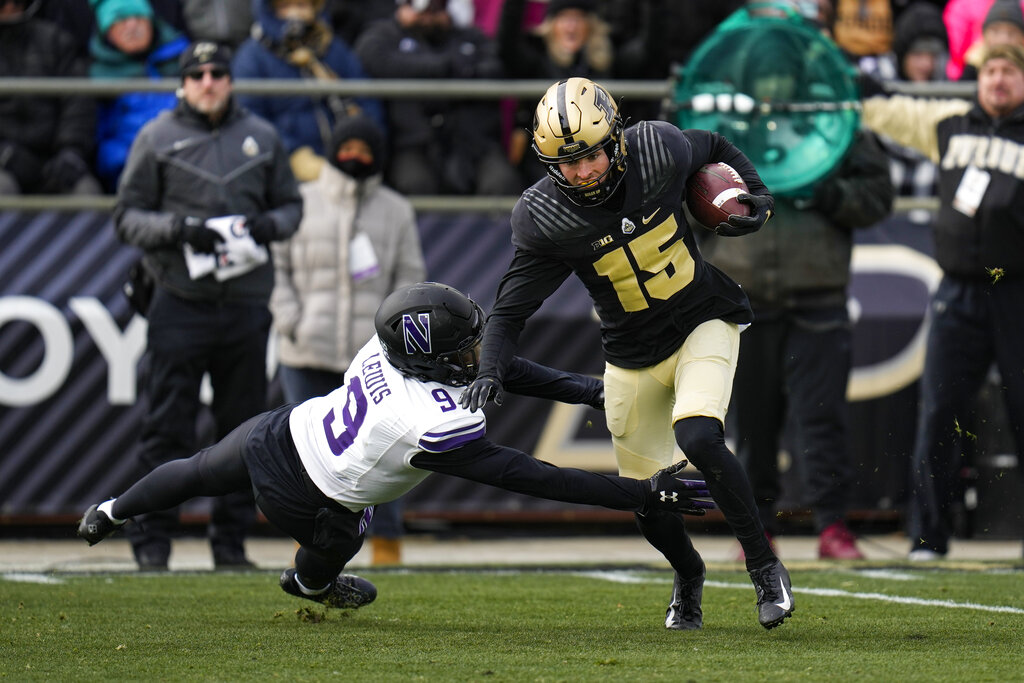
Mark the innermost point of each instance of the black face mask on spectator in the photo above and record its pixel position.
(359, 127)
(355, 168)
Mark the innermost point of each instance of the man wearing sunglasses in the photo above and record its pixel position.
(204, 159)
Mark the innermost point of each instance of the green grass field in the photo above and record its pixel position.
(851, 624)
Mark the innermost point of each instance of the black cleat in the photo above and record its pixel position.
(684, 613)
(95, 525)
(774, 595)
(346, 590)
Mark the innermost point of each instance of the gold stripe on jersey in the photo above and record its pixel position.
(551, 217)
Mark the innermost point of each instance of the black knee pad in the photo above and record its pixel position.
(699, 438)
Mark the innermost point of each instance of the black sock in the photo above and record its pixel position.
(666, 532)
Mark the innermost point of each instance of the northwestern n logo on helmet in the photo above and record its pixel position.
(416, 332)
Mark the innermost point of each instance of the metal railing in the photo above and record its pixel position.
(661, 90)
(432, 203)
(398, 88)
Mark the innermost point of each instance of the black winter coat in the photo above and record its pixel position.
(41, 126)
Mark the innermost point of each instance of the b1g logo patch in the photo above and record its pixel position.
(416, 332)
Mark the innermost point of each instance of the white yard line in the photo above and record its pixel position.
(27, 577)
(950, 604)
(629, 577)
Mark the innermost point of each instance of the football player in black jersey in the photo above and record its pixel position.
(611, 211)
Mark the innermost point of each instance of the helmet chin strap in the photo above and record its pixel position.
(602, 189)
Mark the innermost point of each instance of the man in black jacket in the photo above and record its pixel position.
(979, 243)
(46, 143)
(207, 158)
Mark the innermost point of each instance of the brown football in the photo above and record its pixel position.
(711, 194)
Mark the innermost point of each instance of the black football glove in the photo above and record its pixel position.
(760, 212)
(192, 230)
(261, 228)
(482, 389)
(598, 401)
(670, 492)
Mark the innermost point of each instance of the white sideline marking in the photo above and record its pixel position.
(617, 577)
(887, 574)
(29, 578)
(832, 592)
(627, 577)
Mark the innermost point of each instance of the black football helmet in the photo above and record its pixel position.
(575, 118)
(431, 332)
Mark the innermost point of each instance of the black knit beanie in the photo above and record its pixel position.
(1008, 11)
(360, 127)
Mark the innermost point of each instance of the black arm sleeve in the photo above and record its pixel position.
(533, 379)
(489, 463)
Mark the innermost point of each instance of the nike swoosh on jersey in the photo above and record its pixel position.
(648, 219)
(787, 602)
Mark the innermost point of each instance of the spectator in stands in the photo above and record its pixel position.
(46, 143)
(684, 24)
(76, 17)
(130, 41)
(862, 28)
(795, 359)
(571, 41)
(920, 54)
(439, 145)
(205, 159)
(349, 18)
(292, 40)
(1003, 25)
(975, 316)
(920, 44)
(226, 22)
(357, 243)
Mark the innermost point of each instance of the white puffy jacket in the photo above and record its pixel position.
(322, 317)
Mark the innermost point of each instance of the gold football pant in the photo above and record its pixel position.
(642, 405)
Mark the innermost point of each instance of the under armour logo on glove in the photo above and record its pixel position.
(670, 492)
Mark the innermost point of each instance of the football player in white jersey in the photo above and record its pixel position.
(319, 467)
